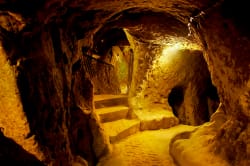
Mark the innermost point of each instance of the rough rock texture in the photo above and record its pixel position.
(80, 114)
(56, 97)
(179, 79)
(200, 141)
(112, 75)
(30, 35)
(109, 71)
(45, 94)
(228, 59)
(103, 76)
(14, 126)
(142, 60)
(44, 83)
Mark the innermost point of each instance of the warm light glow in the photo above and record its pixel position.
(13, 120)
(121, 68)
(170, 49)
(168, 53)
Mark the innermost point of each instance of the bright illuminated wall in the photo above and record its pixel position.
(13, 121)
(178, 64)
(168, 69)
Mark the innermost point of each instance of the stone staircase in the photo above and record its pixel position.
(113, 112)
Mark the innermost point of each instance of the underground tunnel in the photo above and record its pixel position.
(106, 83)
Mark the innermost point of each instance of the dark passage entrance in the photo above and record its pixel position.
(175, 99)
(205, 105)
(193, 97)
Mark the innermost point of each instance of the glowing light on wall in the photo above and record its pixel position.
(167, 53)
(171, 49)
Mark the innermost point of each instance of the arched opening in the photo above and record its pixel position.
(196, 99)
(209, 102)
(109, 64)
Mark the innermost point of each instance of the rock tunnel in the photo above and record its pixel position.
(124, 83)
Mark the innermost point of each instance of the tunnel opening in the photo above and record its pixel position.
(109, 64)
(197, 99)
(175, 78)
(213, 99)
(176, 98)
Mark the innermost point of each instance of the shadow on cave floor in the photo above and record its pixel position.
(13, 154)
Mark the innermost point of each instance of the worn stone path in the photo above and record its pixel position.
(147, 148)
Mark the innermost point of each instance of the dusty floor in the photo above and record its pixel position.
(147, 148)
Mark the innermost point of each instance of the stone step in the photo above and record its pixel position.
(120, 129)
(156, 117)
(109, 114)
(107, 100)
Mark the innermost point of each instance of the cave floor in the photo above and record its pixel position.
(147, 148)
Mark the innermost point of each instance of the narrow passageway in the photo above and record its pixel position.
(141, 127)
(147, 148)
(124, 83)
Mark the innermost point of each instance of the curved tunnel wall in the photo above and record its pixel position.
(179, 81)
(222, 33)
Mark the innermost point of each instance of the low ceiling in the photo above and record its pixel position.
(103, 21)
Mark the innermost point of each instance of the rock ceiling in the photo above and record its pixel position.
(145, 19)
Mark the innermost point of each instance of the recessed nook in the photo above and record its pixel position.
(124, 83)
